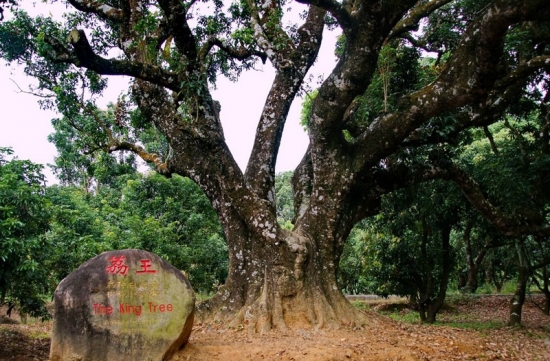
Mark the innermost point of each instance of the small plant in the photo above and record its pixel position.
(509, 287)
(486, 289)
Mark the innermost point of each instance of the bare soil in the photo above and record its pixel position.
(382, 339)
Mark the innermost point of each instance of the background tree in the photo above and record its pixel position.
(283, 196)
(24, 220)
(170, 217)
(123, 209)
(278, 277)
(414, 255)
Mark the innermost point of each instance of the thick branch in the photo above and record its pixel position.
(239, 54)
(412, 19)
(260, 171)
(267, 33)
(85, 57)
(397, 176)
(470, 77)
(201, 154)
(352, 74)
(419, 44)
(176, 24)
(160, 165)
(101, 9)
(334, 8)
(516, 226)
(505, 92)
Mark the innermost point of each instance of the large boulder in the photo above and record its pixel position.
(127, 305)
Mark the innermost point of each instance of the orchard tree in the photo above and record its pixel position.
(410, 245)
(174, 50)
(24, 220)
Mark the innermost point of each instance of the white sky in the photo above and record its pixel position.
(25, 127)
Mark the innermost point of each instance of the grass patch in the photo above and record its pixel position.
(407, 316)
(473, 325)
(461, 299)
(199, 297)
(361, 305)
(39, 335)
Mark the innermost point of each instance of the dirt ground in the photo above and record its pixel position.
(382, 339)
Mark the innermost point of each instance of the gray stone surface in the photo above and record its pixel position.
(124, 305)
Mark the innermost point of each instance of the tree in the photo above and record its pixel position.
(512, 162)
(24, 218)
(175, 50)
(413, 254)
(172, 218)
(283, 196)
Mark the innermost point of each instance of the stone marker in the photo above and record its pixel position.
(127, 305)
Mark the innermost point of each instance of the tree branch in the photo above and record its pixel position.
(85, 57)
(412, 19)
(32, 93)
(479, 84)
(101, 9)
(176, 23)
(336, 9)
(505, 92)
(489, 136)
(160, 165)
(260, 170)
(418, 43)
(239, 54)
(519, 225)
(266, 35)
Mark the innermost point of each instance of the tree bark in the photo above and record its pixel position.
(473, 266)
(289, 282)
(517, 301)
(434, 306)
(544, 288)
(473, 270)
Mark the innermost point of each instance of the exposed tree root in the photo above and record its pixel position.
(284, 313)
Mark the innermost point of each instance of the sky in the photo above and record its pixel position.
(25, 127)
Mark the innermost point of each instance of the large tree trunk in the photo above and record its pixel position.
(281, 279)
(289, 281)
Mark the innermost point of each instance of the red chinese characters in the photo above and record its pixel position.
(145, 267)
(118, 266)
